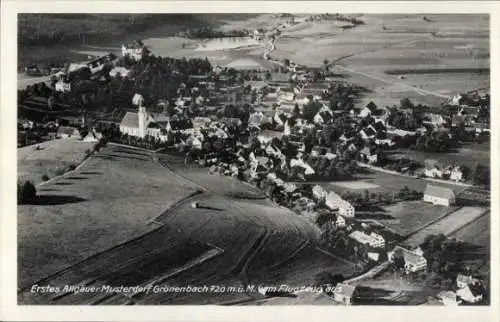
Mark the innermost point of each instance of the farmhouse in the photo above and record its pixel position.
(439, 195)
(412, 261)
(344, 293)
(456, 174)
(373, 240)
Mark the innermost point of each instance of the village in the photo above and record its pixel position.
(300, 136)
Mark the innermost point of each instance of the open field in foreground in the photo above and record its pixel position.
(53, 155)
(107, 201)
(449, 224)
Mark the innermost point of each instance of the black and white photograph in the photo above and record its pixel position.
(253, 159)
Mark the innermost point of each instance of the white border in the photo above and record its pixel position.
(8, 213)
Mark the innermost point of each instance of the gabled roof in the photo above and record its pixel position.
(369, 131)
(379, 127)
(440, 192)
(131, 119)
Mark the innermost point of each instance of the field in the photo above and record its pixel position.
(237, 240)
(449, 224)
(384, 182)
(406, 217)
(53, 155)
(112, 196)
(468, 154)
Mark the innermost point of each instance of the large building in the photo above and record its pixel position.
(439, 195)
(373, 240)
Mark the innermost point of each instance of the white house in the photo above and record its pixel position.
(373, 240)
(456, 174)
(439, 195)
(92, 136)
(471, 293)
(346, 209)
(365, 112)
(318, 192)
(136, 50)
(61, 86)
(367, 155)
(412, 261)
(340, 221)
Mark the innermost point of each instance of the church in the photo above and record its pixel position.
(158, 125)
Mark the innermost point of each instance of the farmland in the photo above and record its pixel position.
(449, 224)
(406, 217)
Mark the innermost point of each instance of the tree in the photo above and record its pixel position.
(26, 192)
(481, 175)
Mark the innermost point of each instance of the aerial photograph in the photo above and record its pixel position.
(253, 159)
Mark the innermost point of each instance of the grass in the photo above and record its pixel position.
(449, 224)
(116, 207)
(410, 215)
(107, 201)
(53, 156)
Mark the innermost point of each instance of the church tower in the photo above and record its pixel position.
(142, 117)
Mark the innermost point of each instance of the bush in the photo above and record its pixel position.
(88, 152)
(71, 167)
(26, 192)
(59, 172)
(45, 177)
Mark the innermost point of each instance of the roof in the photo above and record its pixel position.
(379, 127)
(476, 288)
(431, 164)
(131, 119)
(366, 150)
(345, 289)
(464, 278)
(408, 255)
(440, 192)
(369, 131)
(246, 64)
(181, 124)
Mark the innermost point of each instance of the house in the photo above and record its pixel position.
(365, 112)
(135, 50)
(64, 132)
(373, 256)
(62, 86)
(464, 280)
(381, 115)
(456, 174)
(439, 195)
(368, 133)
(472, 293)
(92, 136)
(433, 169)
(434, 119)
(323, 117)
(200, 122)
(368, 155)
(340, 222)
(373, 240)
(449, 298)
(119, 70)
(318, 192)
(344, 293)
(413, 262)
(256, 119)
